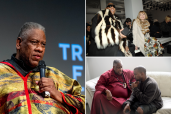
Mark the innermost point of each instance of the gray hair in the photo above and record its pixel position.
(25, 29)
(115, 62)
(140, 69)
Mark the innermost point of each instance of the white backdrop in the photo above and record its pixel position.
(96, 66)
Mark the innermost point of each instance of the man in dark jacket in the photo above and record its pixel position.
(155, 29)
(146, 96)
(166, 26)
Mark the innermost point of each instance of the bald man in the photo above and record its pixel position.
(146, 96)
(106, 34)
(112, 90)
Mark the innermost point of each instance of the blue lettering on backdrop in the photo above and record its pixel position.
(76, 73)
(76, 53)
(64, 47)
(76, 50)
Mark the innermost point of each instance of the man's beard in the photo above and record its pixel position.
(138, 80)
(118, 74)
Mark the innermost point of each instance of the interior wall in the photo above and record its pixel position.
(87, 72)
(137, 6)
(97, 66)
(89, 17)
(128, 9)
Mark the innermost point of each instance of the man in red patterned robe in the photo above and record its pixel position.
(112, 90)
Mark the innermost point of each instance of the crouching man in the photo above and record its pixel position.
(145, 97)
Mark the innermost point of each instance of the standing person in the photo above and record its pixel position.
(149, 46)
(21, 87)
(146, 96)
(106, 34)
(166, 26)
(112, 90)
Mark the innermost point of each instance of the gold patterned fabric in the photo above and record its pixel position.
(20, 95)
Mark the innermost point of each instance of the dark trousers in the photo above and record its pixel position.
(131, 48)
(140, 54)
(147, 108)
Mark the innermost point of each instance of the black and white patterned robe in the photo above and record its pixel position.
(106, 30)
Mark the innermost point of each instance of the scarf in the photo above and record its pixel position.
(144, 25)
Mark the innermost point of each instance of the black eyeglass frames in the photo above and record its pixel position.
(111, 6)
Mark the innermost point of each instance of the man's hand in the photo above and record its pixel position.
(108, 95)
(126, 49)
(139, 110)
(127, 109)
(47, 84)
(136, 48)
(130, 26)
(122, 36)
(134, 84)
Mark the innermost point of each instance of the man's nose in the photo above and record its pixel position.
(39, 48)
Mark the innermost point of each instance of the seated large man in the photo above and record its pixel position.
(20, 84)
(146, 96)
(112, 90)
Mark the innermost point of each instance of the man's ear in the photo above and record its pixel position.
(18, 43)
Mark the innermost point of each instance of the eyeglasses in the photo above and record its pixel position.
(111, 6)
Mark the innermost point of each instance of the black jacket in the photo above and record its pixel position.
(147, 92)
(154, 29)
(166, 29)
